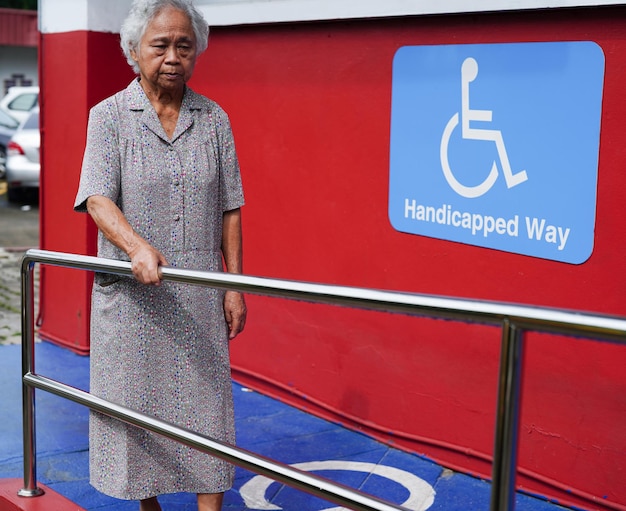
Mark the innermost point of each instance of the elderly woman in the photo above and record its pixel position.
(161, 180)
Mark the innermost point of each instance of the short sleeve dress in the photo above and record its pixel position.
(162, 350)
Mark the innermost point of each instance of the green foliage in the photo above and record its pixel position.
(19, 4)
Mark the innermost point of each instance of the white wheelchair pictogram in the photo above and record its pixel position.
(469, 72)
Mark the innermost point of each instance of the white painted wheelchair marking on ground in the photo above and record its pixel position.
(421, 494)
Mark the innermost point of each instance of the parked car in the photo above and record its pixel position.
(19, 101)
(8, 126)
(23, 166)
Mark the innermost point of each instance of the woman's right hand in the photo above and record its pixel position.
(145, 261)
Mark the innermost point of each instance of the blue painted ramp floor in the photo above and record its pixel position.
(264, 425)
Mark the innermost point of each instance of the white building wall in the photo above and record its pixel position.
(17, 64)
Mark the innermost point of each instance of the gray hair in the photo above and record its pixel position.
(142, 12)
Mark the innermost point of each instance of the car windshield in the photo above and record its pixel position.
(32, 123)
(7, 121)
(24, 102)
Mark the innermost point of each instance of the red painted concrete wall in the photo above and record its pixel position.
(310, 107)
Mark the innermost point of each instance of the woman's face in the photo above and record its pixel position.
(167, 51)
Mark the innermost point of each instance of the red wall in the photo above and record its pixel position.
(310, 106)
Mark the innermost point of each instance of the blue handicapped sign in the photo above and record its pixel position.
(464, 115)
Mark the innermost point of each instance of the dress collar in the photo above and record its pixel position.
(138, 101)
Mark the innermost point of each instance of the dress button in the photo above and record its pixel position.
(171, 147)
(176, 183)
(176, 218)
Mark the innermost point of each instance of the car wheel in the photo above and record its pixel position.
(15, 194)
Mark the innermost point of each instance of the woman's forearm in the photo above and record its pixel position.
(112, 223)
(232, 244)
(235, 310)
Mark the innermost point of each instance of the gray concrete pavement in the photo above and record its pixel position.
(10, 297)
(19, 230)
(19, 222)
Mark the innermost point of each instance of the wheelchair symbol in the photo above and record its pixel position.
(421, 495)
(469, 72)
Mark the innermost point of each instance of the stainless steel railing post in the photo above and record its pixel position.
(504, 468)
(30, 488)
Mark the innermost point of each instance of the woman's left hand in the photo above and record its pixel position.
(235, 313)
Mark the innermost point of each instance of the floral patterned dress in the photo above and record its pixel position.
(162, 350)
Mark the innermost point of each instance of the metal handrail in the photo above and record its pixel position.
(513, 320)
